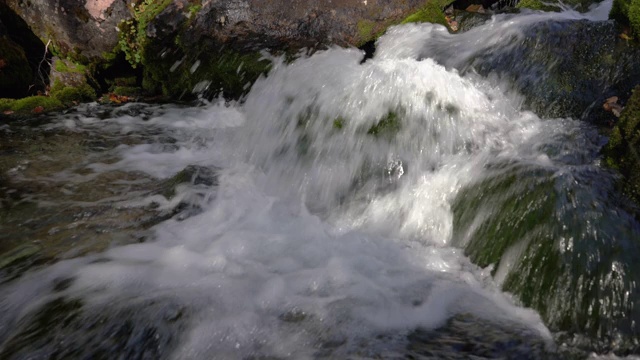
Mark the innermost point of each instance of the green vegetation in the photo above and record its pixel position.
(69, 66)
(623, 149)
(71, 95)
(366, 30)
(387, 127)
(540, 239)
(431, 12)
(133, 32)
(30, 104)
(627, 12)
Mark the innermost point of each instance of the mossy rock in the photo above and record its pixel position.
(15, 73)
(627, 12)
(432, 12)
(68, 66)
(623, 149)
(559, 246)
(387, 127)
(229, 72)
(72, 95)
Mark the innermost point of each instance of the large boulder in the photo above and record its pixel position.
(176, 44)
(84, 28)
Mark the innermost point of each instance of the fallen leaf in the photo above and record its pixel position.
(38, 109)
(453, 25)
(611, 104)
(8, 112)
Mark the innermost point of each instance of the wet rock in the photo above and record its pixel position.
(179, 44)
(465, 336)
(560, 83)
(85, 28)
(623, 149)
(67, 328)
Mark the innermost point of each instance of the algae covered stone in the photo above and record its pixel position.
(624, 146)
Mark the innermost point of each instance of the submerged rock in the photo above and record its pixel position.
(465, 336)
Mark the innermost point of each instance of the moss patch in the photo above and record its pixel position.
(623, 149)
(133, 32)
(71, 95)
(70, 67)
(29, 104)
(627, 12)
(431, 12)
(387, 127)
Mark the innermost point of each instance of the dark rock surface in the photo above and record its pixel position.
(166, 38)
(86, 28)
(22, 69)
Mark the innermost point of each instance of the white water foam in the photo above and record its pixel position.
(314, 219)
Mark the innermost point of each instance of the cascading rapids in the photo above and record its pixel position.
(332, 220)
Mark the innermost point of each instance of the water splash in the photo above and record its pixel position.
(330, 226)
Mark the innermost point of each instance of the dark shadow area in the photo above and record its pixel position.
(24, 61)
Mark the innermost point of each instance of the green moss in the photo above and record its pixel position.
(28, 104)
(627, 12)
(431, 12)
(388, 126)
(71, 95)
(133, 32)
(68, 66)
(622, 151)
(194, 9)
(366, 30)
(5, 104)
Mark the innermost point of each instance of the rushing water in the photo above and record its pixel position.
(342, 209)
